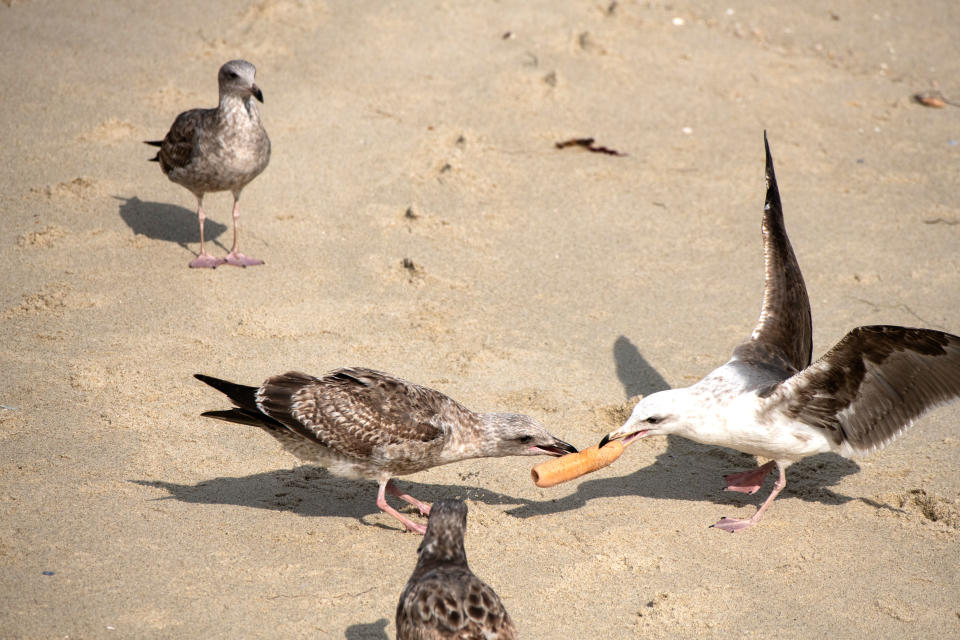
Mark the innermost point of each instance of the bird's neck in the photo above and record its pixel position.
(470, 439)
(239, 108)
(489, 434)
(441, 555)
(703, 413)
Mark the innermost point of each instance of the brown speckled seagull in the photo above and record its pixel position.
(443, 599)
(362, 423)
(769, 401)
(220, 149)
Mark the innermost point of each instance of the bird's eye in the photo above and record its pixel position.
(653, 420)
(524, 439)
(232, 74)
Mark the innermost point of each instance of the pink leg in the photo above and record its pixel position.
(733, 525)
(382, 503)
(748, 481)
(422, 506)
(235, 257)
(204, 260)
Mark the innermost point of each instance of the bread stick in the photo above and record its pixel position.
(574, 465)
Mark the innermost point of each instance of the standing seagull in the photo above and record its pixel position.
(361, 423)
(443, 600)
(769, 401)
(220, 149)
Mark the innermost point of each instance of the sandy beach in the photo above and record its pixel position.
(417, 218)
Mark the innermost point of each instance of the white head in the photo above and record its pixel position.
(659, 413)
(236, 78)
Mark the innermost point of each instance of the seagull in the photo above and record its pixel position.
(443, 600)
(769, 401)
(220, 149)
(361, 423)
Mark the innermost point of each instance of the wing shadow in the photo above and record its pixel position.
(636, 375)
(169, 222)
(369, 631)
(688, 470)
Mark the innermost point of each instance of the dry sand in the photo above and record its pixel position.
(558, 283)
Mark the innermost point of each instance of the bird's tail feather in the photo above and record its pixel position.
(243, 396)
(237, 416)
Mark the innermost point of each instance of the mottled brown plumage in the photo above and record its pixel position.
(443, 599)
(363, 423)
(220, 149)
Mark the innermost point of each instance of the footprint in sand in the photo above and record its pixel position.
(42, 239)
(110, 131)
(78, 188)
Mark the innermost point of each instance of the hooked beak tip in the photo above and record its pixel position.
(558, 449)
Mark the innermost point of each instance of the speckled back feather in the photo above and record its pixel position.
(353, 410)
(444, 600)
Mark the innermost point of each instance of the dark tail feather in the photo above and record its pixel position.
(250, 418)
(238, 416)
(154, 143)
(241, 395)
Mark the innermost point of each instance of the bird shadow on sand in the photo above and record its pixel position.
(687, 470)
(311, 491)
(169, 222)
(369, 631)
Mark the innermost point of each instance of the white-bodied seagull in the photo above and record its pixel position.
(769, 401)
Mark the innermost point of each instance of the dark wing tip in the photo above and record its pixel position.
(773, 193)
(154, 143)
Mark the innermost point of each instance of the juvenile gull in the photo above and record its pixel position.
(362, 423)
(220, 149)
(443, 600)
(769, 401)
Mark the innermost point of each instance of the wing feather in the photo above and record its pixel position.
(874, 384)
(180, 144)
(783, 337)
(351, 411)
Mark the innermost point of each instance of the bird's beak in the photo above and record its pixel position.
(255, 90)
(557, 448)
(626, 433)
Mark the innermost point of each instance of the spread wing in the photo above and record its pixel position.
(452, 603)
(874, 384)
(351, 411)
(783, 337)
